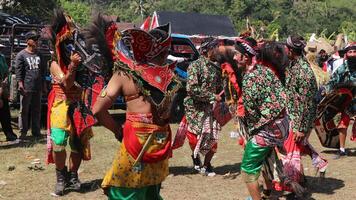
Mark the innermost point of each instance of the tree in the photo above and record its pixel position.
(30, 7)
(80, 11)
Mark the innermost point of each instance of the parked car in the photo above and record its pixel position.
(182, 48)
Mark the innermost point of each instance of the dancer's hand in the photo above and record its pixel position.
(75, 59)
(298, 136)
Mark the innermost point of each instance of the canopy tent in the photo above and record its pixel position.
(195, 23)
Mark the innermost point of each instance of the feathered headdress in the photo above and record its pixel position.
(103, 33)
(62, 32)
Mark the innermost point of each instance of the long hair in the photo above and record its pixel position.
(274, 53)
(228, 56)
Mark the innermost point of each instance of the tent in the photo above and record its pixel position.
(195, 23)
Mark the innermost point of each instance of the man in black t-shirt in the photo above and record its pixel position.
(30, 73)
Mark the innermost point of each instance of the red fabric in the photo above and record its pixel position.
(325, 66)
(193, 140)
(50, 100)
(146, 24)
(134, 147)
(353, 136)
(110, 39)
(280, 187)
(292, 165)
(60, 37)
(152, 74)
(145, 46)
(344, 122)
(181, 134)
(82, 121)
(227, 68)
(83, 118)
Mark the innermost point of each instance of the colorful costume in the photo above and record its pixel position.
(153, 170)
(204, 81)
(265, 115)
(141, 164)
(339, 99)
(301, 89)
(69, 114)
(344, 77)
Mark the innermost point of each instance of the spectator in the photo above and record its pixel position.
(5, 117)
(30, 72)
(321, 59)
(345, 75)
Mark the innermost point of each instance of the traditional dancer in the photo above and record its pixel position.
(68, 116)
(264, 101)
(203, 87)
(148, 84)
(345, 76)
(301, 89)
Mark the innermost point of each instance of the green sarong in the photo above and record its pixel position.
(145, 193)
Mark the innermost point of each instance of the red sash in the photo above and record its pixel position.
(134, 147)
(227, 68)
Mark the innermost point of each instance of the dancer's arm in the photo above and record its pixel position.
(105, 101)
(66, 79)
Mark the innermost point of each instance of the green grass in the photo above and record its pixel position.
(181, 184)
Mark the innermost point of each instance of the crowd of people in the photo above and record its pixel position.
(268, 88)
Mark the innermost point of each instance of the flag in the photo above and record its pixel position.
(154, 22)
(146, 24)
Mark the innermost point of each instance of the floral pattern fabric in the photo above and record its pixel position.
(204, 81)
(263, 96)
(301, 89)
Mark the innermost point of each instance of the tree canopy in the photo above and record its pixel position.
(269, 18)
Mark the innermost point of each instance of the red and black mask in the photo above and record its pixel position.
(145, 46)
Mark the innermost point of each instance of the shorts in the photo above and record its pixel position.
(59, 138)
(253, 159)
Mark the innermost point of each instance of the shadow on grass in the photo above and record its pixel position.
(325, 185)
(89, 186)
(315, 185)
(181, 170)
(228, 171)
(28, 142)
(351, 151)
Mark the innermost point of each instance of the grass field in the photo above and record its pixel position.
(19, 179)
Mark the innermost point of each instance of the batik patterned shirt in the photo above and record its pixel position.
(204, 81)
(301, 89)
(263, 96)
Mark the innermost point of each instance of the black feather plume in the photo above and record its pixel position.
(95, 34)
